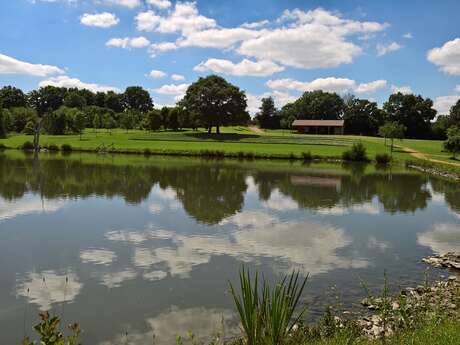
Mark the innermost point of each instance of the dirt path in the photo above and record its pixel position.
(420, 155)
(256, 130)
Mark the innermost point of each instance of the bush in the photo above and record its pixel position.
(357, 153)
(52, 147)
(27, 146)
(147, 152)
(307, 156)
(66, 148)
(382, 158)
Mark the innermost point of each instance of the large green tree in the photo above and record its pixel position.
(362, 117)
(452, 144)
(268, 116)
(454, 114)
(216, 101)
(414, 112)
(137, 99)
(12, 97)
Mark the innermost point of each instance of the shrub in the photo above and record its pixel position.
(66, 148)
(147, 152)
(27, 146)
(307, 156)
(382, 158)
(357, 153)
(52, 147)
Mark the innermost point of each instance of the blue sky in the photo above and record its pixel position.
(278, 48)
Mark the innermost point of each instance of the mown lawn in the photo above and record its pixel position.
(272, 143)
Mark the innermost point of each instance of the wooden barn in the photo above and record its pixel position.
(318, 126)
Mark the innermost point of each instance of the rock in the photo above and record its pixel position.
(376, 331)
(395, 305)
(448, 260)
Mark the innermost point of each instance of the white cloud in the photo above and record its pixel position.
(124, 3)
(177, 77)
(281, 99)
(65, 81)
(47, 288)
(221, 38)
(97, 256)
(9, 65)
(172, 89)
(280, 202)
(442, 238)
(101, 20)
(457, 88)
(154, 275)
(371, 87)
(406, 90)
(447, 57)
(185, 18)
(28, 205)
(383, 49)
(127, 42)
(331, 84)
(317, 39)
(244, 68)
(408, 35)
(255, 25)
(161, 47)
(162, 4)
(443, 103)
(135, 237)
(115, 279)
(157, 74)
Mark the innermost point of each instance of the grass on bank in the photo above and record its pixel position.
(236, 141)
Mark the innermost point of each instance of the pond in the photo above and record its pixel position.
(137, 248)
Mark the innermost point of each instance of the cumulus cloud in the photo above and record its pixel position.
(255, 25)
(244, 68)
(28, 205)
(221, 38)
(124, 3)
(327, 84)
(65, 81)
(383, 49)
(441, 238)
(280, 98)
(157, 74)
(177, 77)
(162, 4)
(447, 57)
(101, 20)
(184, 18)
(127, 42)
(443, 103)
(371, 87)
(10, 65)
(97, 256)
(47, 288)
(408, 35)
(457, 88)
(115, 279)
(406, 90)
(172, 89)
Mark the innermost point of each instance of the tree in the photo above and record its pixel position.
(268, 115)
(362, 117)
(452, 144)
(56, 123)
(114, 101)
(153, 120)
(3, 127)
(392, 130)
(173, 119)
(454, 114)
(97, 121)
(216, 102)
(11, 97)
(79, 123)
(108, 122)
(414, 112)
(74, 100)
(317, 105)
(439, 128)
(137, 99)
(19, 117)
(127, 120)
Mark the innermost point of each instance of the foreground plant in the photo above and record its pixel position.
(267, 312)
(50, 333)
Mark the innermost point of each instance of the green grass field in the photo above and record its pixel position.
(269, 144)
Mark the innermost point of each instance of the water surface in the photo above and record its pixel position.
(132, 247)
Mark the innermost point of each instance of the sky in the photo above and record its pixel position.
(267, 48)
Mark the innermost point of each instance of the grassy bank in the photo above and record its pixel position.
(236, 142)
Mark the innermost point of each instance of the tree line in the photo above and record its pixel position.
(211, 102)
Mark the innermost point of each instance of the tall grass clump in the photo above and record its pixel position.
(267, 312)
(66, 148)
(357, 153)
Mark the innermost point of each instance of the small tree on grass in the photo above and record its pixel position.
(452, 144)
(127, 121)
(392, 131)
(153, 120)
(80, 122)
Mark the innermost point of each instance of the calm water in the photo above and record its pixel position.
(148, 245)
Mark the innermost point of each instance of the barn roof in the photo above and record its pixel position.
(318, 123)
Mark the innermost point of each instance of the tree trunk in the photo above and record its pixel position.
(392, 140)
(209, 129)
(218, 129)
(37, 130)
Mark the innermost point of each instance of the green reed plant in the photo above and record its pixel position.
(267, 312)
(50, 334)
